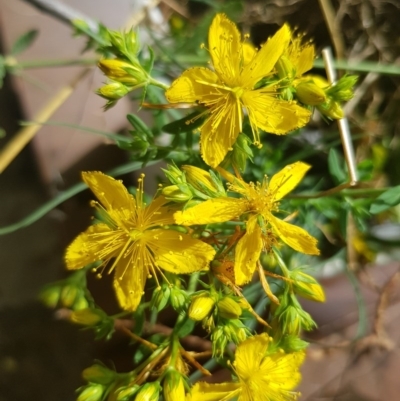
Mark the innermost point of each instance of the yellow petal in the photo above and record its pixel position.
(129, 280)
(282, 371)
(287, 179)
(296, 237)
(111, 193)
(306, 60)
(266, 58)
(87, 246)
(225, 49)
(274, 115)
(221, 130)
(249, 52)
(249, 355)
(202, 391)
(177, 252)
(192, 86)
(216, 210)
(247, 252)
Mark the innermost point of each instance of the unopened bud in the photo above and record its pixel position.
(200, 179)
(332, 110)
(98, 374)
(178, 298)
(121, 71)
(177, 193)
(290, 320)
(50, 295)
(173, 387)
(228, 308)
(149, 392)
(86, 317)
(160, 297)
(113, 91)
(307, 287)
(285, 68)
(310, 93)
(69, 295)
(201, 307)
(93, 392)
(127, 393)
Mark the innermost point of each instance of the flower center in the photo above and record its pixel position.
(238, 92)
(135, 234)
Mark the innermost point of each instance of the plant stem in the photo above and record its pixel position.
(12, 63)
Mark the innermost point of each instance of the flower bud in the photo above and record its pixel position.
(113, 91)
(50, 295)
(310, 93)
(98, 374)
(69, 295)
(228, 308)
(86, 317)
(201, 180)
(123, 72)
(332, 110)
(127, 393)
(285, 68)
(307, 287)
(160, 297)
(201, 307)
(177, 193)
(173, 387)
(93, 392)
(178, 298)
(149, 392)
(290, 320)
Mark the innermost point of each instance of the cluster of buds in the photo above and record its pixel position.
(220, 316)
(125, 72)
(292, 317)
(191, 184)
(170, 294)
(69, 293)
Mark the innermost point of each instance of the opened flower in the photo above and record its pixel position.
(230, 90)
(258, 202)
(260, 375)
(132, 234)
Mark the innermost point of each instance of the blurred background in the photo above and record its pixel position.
(41, 355)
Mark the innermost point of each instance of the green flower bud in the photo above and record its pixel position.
(331, 109)
(290, 320)
(127, 393)
(177, 193)
(178, 298)
(228, 308)
(50, 295)
(123, 72)
(173, 387)
(98, 374)
(285, 68)
(160, 297)
(307, 287)
(174, 175)
(93, 392)
(81, 303)
(310, 93)
(203, 182)
(219, 342)
(201, 306)
(113, 91)
(149, 392)
(87, 317)
(69, 295)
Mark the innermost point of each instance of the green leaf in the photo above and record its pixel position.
(186, 328)
(185, 124)
(148, 64)
(335, 167)
(24, 41)
(385, 201)
(139, 125)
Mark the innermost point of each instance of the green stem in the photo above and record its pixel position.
(12, 63)
(194, 279)
(159, 84)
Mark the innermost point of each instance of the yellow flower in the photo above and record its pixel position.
(262, 227)
(260, 376)
(230, 89)
(134, 237)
